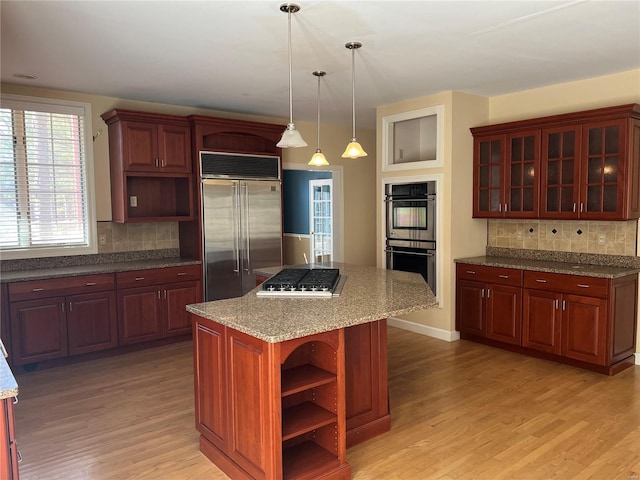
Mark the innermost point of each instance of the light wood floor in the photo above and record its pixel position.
(460, 411)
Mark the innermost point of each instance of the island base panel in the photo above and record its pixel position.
(365, 432)
(221, 461)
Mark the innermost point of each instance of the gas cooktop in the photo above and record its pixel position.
(303, 282)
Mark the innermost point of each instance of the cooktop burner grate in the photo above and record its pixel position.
(302, 282)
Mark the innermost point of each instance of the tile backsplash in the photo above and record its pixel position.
(128, 237)
(610, 238)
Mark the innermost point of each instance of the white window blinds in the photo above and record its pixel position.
(43, 177)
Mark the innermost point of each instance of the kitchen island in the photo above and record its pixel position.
(284, 385)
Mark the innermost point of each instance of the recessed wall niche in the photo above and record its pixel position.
(413, 139)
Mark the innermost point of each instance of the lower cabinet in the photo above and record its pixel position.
(586, 321)
(56, 318)
(569, 316)
(271, 410)
(9, 455)
(489, 302)
(151, 303)
(50, 325)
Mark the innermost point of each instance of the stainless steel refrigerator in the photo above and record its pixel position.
(241, 219)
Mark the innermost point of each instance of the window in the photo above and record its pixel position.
(46, 203)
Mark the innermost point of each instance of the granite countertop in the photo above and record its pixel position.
(571, 268)
(369, 294)
(76, 270)
(8, 385)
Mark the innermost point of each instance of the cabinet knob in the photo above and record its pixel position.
(471, 272)
(540, 280)
(503, 276)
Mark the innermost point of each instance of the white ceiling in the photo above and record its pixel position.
(232, 55)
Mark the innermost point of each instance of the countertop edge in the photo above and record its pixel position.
(579, 269)
(96, 269)
(193, 308)
(8, 384)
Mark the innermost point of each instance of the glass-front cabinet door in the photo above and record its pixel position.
(521, 175)
(488, 175)
(603, 171)
(560, 172)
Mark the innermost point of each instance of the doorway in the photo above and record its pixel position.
(321, 220)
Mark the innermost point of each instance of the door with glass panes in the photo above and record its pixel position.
(321, 219)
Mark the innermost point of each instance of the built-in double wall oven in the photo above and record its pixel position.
(410, 230)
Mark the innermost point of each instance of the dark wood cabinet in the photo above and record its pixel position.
(9, 455)
(542, 321)
(271, 410)
(585, 321)
(578, 165)
(39, 330)
(59, 320)
(151, 303)
(151, 167)
(489, 302)
(506, 182)
(582, 318)
(367, 395)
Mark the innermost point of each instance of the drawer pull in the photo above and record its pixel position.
(15, 400)
(181, 274)
(37, 289)
(503, 276)
(540, 280)
(471, 272)
(91, 284)
(19, 456)
(582, 285)
(139, 278)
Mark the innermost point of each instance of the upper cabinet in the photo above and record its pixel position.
(506, 174)
(583, 165)
(150, 156)
(144, 142)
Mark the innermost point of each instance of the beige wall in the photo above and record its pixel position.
(606, 91)
(359, 225)
(458, 234)
(358, 179)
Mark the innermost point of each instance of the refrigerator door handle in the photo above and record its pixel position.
(236, 221)
(246, 234)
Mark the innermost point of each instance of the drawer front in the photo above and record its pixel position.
(561, 283)
(60, 287)
(156, 276)
(495, 275)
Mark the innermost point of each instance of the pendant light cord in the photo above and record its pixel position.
(318, 105)
(353, 91)
(290, 74)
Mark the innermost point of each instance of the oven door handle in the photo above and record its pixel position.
(430, 198)
(404, 252)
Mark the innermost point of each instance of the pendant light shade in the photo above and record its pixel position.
(291, 138)
(318, 158)
(354, 149)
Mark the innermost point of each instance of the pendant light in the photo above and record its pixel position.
(354, 149)
(291, 138)
(318, 158)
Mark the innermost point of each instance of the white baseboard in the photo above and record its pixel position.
(428, 331)
(637, 355)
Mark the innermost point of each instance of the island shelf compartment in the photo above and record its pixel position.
(312, 416)
(300, 458)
